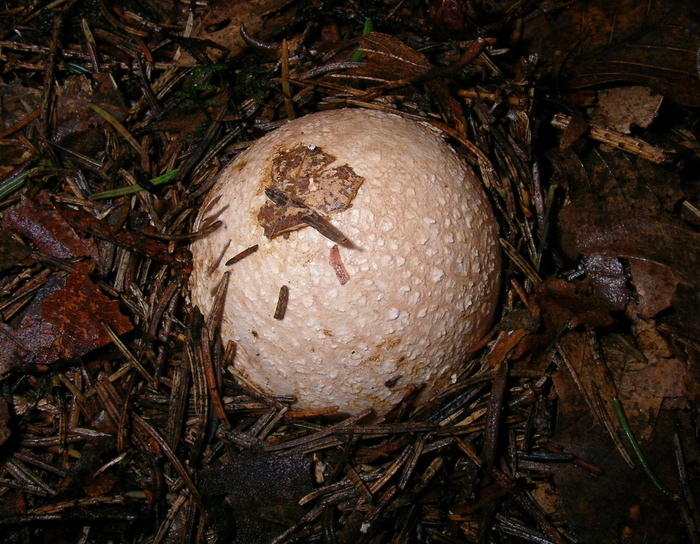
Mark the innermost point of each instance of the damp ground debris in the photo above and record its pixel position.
(122, 415)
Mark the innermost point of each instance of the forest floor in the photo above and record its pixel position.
(576, 421)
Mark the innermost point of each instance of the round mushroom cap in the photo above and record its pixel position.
(383, 242)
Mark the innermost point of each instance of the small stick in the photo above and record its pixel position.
(627, 143)
(242, 255)
(212, 383)
(314, 219)
(286, 87)
(282, 303)
(338, 266)
(493, 414)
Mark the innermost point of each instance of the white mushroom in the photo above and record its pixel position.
(393, 296)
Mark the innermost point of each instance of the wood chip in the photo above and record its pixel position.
(338, 266)
(282, 303)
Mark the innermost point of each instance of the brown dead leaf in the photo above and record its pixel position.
(558, 306)
(74, 96)
(652, 43)
(587, 231)
(686, 318)
(662, 257)
(605, 370)
(84, 476)
(96, 486)
(5, 431)
(12, 252)
(607, 274)
(63, 322)
(621, 505)
(219, 31)
(387, 58)
(260, 488)
(47, 230)
(606, 367)
(642, 385)
(448, 16)
(655, 285)
(565, 305)
(621, 108)
(73, 118)
(161, 251)
(614, 180)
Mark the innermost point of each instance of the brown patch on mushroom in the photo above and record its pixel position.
(338, 265)
(389, 343)
(304, 176)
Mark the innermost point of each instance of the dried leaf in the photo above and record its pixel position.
(685, 318)
(560, 306)
(447, 16)
(570, 304)
(609, 280)
(47, 230)
(96, 486)
(652, 43)
(220, 27)
(612, 498)
(259, 487)
(389, 59)
(63, 322)
(587, 231)
(622, 500)
(73, 117)
(621, 108)
(12, 252)
(304, 176)
(655, 286)
(617, 181)
(180, 258)
(5, 431)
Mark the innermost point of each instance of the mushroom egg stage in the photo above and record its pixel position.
(362, 255)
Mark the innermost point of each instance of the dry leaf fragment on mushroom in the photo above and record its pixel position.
(303, 186)
(291, 213)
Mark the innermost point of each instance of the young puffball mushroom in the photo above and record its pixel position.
(377, 261)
